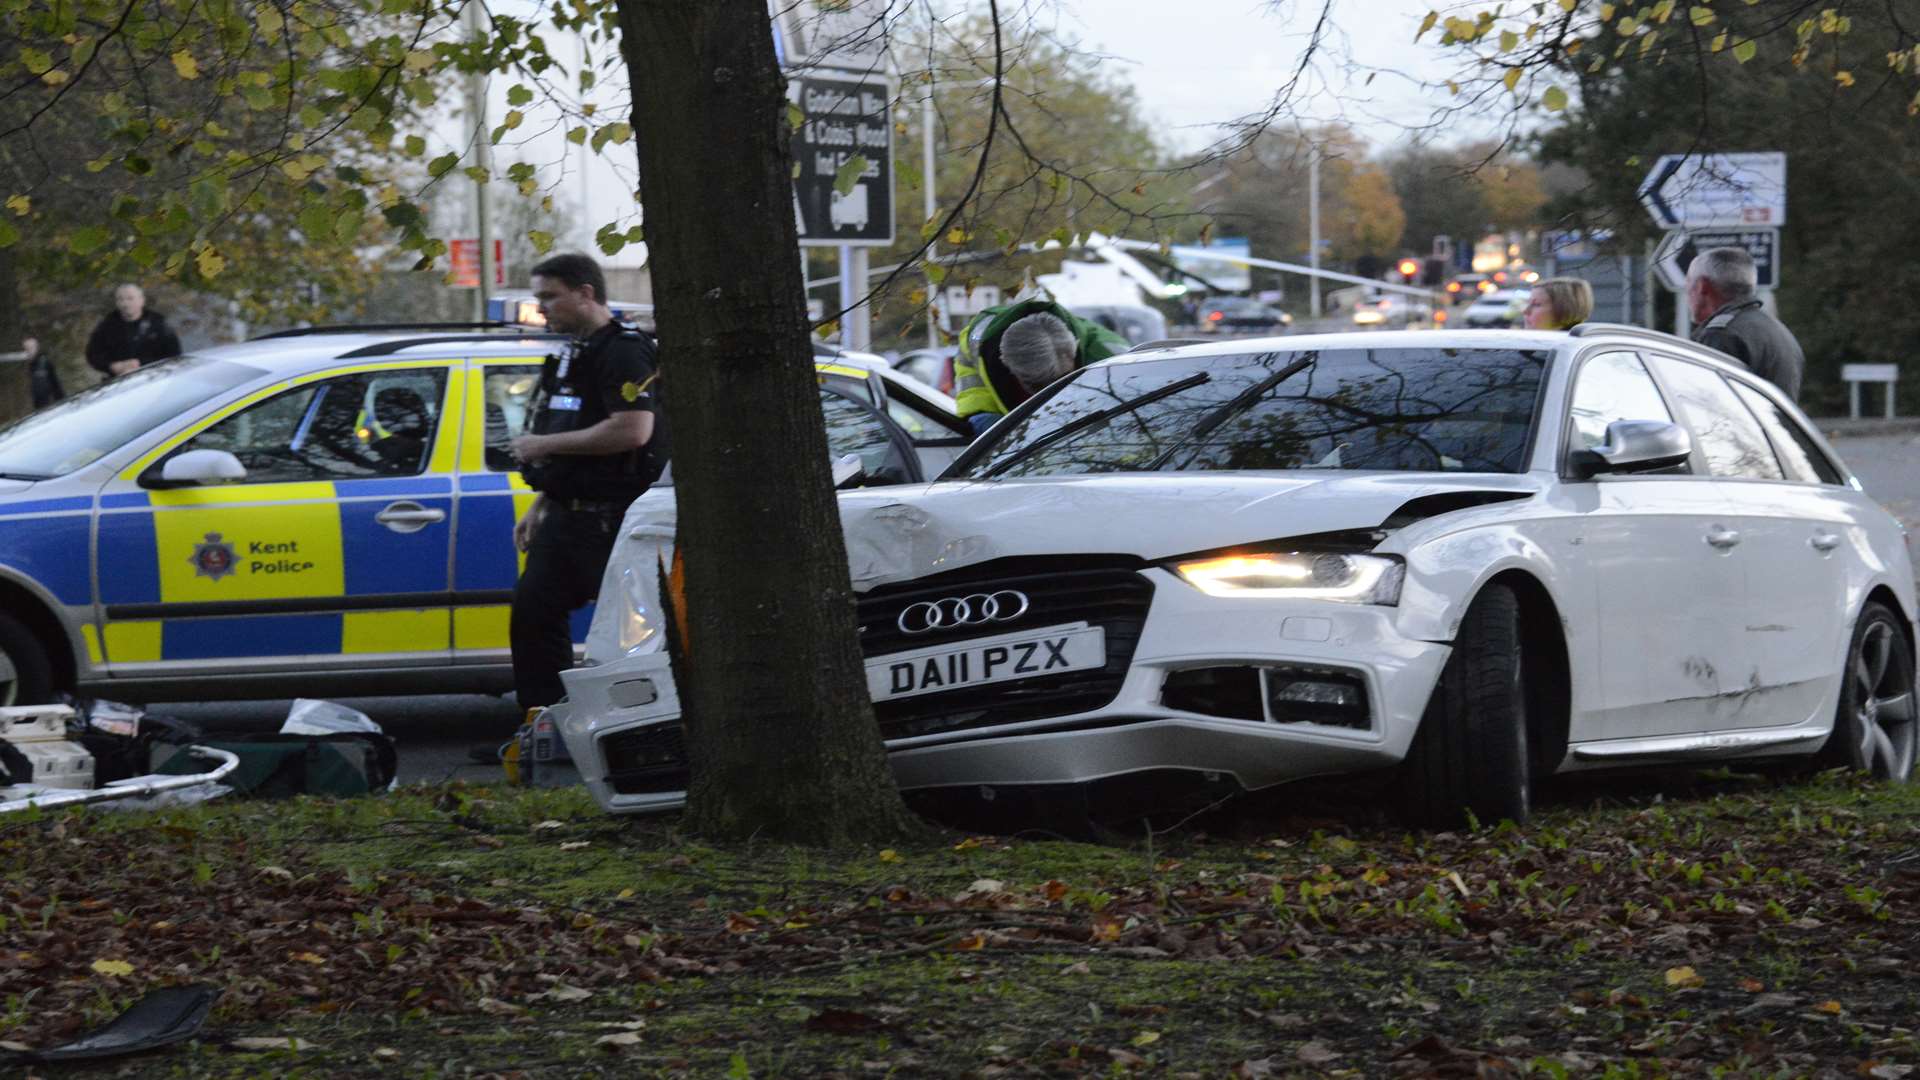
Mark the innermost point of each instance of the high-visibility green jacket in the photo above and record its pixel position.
(982, 384)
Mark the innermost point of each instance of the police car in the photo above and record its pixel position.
(322, 511)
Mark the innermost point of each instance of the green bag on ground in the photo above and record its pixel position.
(275, 766)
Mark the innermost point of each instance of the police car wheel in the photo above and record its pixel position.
(26, 674)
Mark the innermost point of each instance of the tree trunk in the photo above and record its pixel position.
(780, 732)
(16, 382)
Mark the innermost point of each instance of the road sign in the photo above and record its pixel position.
(843, 116)
(1678, 249)
(1698, 191)
(463, 258)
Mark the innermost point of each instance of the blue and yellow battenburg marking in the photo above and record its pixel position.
(230, 555)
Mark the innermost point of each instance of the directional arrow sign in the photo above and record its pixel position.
(1666, 261)
(1699, 191)
(1678, 248)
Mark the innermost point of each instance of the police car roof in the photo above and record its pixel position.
(323, 347)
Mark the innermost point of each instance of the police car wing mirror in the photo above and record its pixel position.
(847, 471)
(198, 467)
(1636, 446)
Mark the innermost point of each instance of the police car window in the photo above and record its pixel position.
(1728, 434)
(1802, 459)
(921, 420)
(70, 434)
(854, 428)
(508, 395)
(372, 424)
(1611, 387)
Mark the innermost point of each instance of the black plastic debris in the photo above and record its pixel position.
(170, 1015)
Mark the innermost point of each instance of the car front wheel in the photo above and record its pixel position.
(26, 675)
(1470, 756)
(1874, 729)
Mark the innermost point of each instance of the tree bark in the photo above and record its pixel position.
(16, 382)
(780, 731)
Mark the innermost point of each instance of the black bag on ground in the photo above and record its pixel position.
(276, 766)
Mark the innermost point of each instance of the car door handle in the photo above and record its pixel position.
(1824, 541)
(1723, 538)
(406, 517)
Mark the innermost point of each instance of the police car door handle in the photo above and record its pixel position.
(406, 517)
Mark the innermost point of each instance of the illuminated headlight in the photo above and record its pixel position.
(1304, 575)
(630, 618)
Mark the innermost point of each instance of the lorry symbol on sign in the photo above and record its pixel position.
(849, 211)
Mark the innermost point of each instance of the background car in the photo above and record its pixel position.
(932, 366)
(1496, 310)
(326, 511)
(1465, 288)
(1467, 560)
(1239, 315)
(1392, 310)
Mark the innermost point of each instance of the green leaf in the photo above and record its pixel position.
(9, 235)
(442, 165)
(1426, 24)
(477, 174)
(577, 136)
(88, 240)
(185, 66)
(1554, 99)
(610, 239)
(346, 227)
(1509, 41)
(316, 221)
(542, 241)
(37, 62)
(849, 173)
(513, 119)
(796, 117)
(1701, 16)
(414, 146)
(519, 95)
(1745, 51)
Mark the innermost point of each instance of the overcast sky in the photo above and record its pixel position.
(1199, 62)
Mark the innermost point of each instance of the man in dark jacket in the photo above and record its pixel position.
(40, 372)
(130, 335)
(1720, 293)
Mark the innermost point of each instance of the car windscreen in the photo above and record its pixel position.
(1400, 409)
(72, 434)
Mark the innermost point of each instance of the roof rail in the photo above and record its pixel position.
(388, 348)
(377, 328)
(1586, 328)
(1170, 343)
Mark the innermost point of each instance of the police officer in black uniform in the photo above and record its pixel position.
(596, 442)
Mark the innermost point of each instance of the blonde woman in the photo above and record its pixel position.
(1559, 304)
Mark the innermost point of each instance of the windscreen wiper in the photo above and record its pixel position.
(24, 476)
(1240, 401)
(1090, 419)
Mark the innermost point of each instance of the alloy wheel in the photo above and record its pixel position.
(1882, 695)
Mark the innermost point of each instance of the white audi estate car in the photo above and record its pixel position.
(1467, 559)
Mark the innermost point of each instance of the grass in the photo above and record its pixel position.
(1685, 924)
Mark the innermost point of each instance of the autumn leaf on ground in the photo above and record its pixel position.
(740, 924)
(1752, 986)
(1831, 1008)
(619, 1040)
(113, 967)
(889, 855)
(277, 1042)
(1684, 977)
(1145, 1038)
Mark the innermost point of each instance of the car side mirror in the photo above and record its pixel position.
(198, 467)
(1637, 446)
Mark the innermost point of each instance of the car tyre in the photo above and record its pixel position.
(1874, 729)
(1470, 756)
(26, 672)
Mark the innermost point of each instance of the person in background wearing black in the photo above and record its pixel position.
(595, 443)
(130, 335)
(46, 381)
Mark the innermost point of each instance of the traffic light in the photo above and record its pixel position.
(1409, 268)
(1433, 272)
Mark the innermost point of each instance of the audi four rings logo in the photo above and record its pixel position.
(978, 609)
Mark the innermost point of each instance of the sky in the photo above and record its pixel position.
(1195, 64)
(1199, 62)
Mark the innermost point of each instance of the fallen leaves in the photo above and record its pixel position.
(112, 967)
(1684, 978)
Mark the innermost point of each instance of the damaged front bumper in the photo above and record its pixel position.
(1260, 691)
